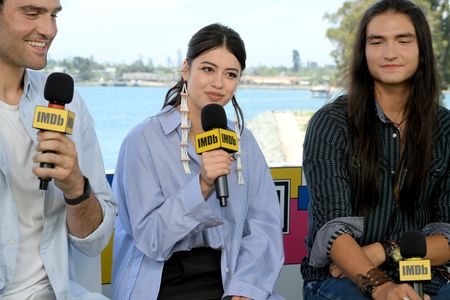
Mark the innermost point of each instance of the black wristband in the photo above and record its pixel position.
(86, 194)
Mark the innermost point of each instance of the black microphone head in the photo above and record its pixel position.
(413, 244)
(59, 88)
(213, 116)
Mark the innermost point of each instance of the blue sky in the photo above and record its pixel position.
(123, 31)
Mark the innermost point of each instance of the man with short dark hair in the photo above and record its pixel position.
(38, 227)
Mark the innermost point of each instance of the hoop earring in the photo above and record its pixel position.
(185, 126)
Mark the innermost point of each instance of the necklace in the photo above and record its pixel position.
(398, 124)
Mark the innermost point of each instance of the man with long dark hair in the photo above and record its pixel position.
(376, 161)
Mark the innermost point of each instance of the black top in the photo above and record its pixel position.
(193, 274)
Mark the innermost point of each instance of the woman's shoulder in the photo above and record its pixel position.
(151, 127)
(247, 136)
(146, 125)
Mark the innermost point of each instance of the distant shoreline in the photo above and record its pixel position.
(169, 85)
(242, 86)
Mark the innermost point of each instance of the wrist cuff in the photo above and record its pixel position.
(369, 282)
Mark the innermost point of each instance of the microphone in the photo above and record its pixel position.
(59, 92)
(216, 136)
(413, 268)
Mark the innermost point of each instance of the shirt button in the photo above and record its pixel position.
(392, 172)
(394, 135)
(226, 269)
(12, 242)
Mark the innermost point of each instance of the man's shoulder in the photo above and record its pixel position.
(337, 104)
(444, 120)
(332, 112)
(444, 113)
(37, 78)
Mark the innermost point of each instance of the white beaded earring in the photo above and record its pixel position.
(238, 153)
(185, 126)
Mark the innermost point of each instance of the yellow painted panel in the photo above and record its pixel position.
(107, 262)
(294, 174)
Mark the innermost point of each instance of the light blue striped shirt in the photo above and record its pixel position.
(162, 210)
(55, 245)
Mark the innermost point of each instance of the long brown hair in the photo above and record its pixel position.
(421, 110)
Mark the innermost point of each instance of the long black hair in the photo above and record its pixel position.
(421, 111)
(210, 37)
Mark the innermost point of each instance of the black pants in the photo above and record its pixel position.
(193, 274)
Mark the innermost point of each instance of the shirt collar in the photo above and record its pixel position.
(169, 117)
(33, 86)
(380, 112)
(27, 85)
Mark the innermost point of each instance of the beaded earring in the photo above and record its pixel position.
(238, 153)
(185, 126)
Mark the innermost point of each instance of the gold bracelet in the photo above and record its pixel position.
(392, 252)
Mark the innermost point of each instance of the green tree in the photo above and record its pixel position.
(85, 67)
(346, 18)
(442, 9)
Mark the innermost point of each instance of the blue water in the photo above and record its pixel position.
(118, 109)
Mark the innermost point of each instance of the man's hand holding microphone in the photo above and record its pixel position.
(58, 159)
(57, 155)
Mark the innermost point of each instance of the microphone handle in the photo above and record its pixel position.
(43, 183)
(221, 184)
(418, 288)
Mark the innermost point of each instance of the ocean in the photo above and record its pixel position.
(118, 109)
